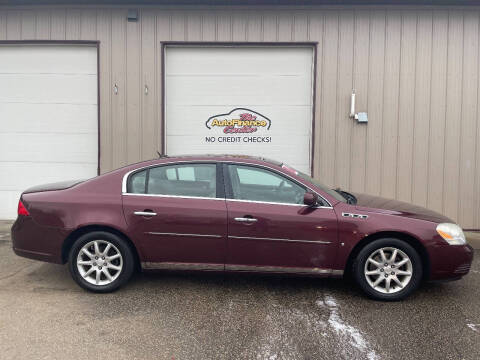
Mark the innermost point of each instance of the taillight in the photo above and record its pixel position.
(22, 210)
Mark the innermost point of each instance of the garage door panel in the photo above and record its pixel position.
(48, 88)
(48, 117)
(258, 90)
(294, 120)
(18, 176)
(249, 61)
(274, 81)
(49, 147)
(48, 59)
(9, 200)
(44, 118)
(276, 149)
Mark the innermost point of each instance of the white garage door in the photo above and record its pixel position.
(48, 117)
(240, 100)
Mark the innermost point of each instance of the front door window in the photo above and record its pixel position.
(257, 184)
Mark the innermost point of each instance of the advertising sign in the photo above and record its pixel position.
(240, 125)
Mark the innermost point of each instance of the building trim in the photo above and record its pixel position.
(283, 4)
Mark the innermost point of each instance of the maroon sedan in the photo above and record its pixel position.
(236, 214)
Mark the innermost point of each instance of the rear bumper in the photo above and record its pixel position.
(450, 262)
(38, 242)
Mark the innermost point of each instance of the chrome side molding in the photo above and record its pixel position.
(276, 239)
(181, 266)
(179, 234)
(238, 237)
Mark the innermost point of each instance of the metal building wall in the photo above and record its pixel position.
(415, 71)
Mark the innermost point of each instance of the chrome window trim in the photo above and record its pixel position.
(125, 178)
(278, 203)
(181, 234)
(275, 239)
(174, 196)
(224, 199)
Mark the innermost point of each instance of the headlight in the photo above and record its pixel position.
(451, 233)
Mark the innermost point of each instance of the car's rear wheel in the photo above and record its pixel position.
(388, 269)
(100, 261)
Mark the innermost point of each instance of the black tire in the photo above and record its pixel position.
(127, 259)
(369, 249)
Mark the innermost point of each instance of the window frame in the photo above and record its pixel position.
(229, 189)
(220, 187)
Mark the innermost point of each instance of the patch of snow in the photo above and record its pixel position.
(474, 327)
(348, 333)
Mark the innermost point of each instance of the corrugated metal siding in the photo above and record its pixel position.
(416, 73)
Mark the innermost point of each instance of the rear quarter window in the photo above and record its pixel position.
(137, 182)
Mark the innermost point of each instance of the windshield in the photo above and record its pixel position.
(317, 183)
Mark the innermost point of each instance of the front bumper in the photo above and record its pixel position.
(38, 242)
(450, 261)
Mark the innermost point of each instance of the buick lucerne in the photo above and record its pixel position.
(234, 214)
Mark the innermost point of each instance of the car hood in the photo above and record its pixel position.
(394, 207)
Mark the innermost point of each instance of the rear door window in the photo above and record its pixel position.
(190, 180)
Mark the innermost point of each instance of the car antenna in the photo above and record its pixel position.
(161, 155)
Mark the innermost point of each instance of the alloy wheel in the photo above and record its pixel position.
(388, 270)
(99, 262)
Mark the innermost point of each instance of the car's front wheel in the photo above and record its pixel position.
(388, 269)
(100, 261)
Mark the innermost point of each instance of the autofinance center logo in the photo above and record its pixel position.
(239, 125)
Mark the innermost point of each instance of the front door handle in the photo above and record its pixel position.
(246, 219)
(145, 213)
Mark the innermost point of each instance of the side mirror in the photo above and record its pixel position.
(310, 199)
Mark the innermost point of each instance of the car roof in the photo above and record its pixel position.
(221, 157)
(165, 159)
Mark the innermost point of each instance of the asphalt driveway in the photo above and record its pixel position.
(43, 315)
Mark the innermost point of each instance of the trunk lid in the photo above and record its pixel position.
(62, 185)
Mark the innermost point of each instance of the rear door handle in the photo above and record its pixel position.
(145, 213)
(245, 219)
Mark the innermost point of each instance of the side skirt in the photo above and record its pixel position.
(182, 266)
(284, 270)
(240, 268)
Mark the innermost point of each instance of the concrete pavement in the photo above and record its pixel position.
(44, 314)
(473, 239)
